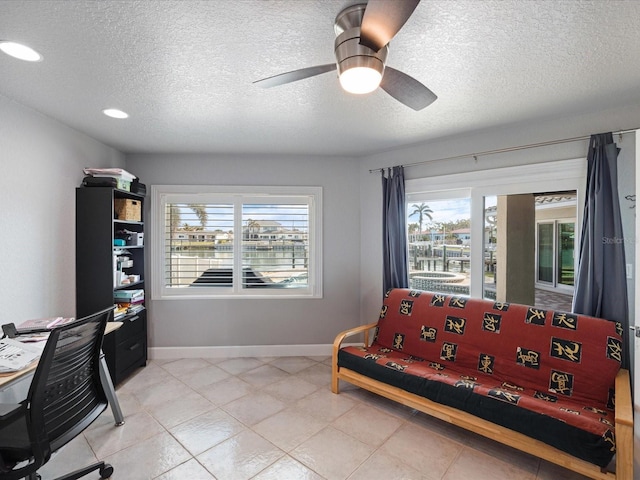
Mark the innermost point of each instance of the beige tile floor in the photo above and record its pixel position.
(276, 418)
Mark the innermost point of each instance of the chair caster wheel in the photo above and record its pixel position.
(106, 471)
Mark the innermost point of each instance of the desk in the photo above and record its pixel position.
(13, 379)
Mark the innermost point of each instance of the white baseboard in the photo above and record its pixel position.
(164, 353)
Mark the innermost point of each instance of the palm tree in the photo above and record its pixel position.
(413, 228)
(201, 212)
(422, 211)
(175, 216)
(252, 227)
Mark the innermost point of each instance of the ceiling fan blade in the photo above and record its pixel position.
(406, 89)
(294, 76)
(383, 19)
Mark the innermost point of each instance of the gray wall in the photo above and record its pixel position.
(626, 187)
(238, 322)
(42, 162)
(543, 131)
(515, 135)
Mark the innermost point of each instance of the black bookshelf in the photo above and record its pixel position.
(96, 229)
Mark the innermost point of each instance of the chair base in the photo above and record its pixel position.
(105, 469)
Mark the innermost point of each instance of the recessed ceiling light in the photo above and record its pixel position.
(20, 51)
(115, 113)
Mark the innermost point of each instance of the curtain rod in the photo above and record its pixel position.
(503, 150)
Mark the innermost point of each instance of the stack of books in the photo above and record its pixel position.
(128, 302)
(129, 308)
(119, 311)
(121, 177)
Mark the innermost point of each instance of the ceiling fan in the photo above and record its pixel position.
(363, 33)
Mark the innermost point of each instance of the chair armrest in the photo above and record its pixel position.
(10, 330)
(9, 410)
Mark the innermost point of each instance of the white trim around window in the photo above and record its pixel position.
(553, 176)
(233, 239)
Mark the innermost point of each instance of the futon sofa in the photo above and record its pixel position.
(548, 383)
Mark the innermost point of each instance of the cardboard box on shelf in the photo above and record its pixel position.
(127, 209)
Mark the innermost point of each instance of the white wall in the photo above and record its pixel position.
(41, 165)
(237, 322)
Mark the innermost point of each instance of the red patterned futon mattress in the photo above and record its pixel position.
(549, 375)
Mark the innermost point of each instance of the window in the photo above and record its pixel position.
(236, 242)
(492, 261)
(439, 242)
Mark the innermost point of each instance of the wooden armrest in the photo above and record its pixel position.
(336, 347)
(354, 331)
(624, 426)
(624, 407)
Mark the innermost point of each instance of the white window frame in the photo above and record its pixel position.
(561, 175)
(161, 195)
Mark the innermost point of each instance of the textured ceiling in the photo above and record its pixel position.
(184, 70)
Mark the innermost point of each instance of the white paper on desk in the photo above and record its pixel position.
(15, 356)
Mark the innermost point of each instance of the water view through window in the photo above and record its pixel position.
(440, 240)
(439, 245)
(202, 242)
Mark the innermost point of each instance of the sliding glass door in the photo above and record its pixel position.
(488, 268)
(545, 253)
(566, 240)
(555, 252)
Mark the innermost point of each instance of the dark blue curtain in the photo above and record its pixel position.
(601, 284)
(394, 226)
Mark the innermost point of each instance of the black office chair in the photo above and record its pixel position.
(64, 398)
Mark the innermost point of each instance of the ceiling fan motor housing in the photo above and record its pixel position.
(350, 54)
(348, 50)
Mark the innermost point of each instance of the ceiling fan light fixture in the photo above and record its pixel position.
(360, 80)
(360, 69)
